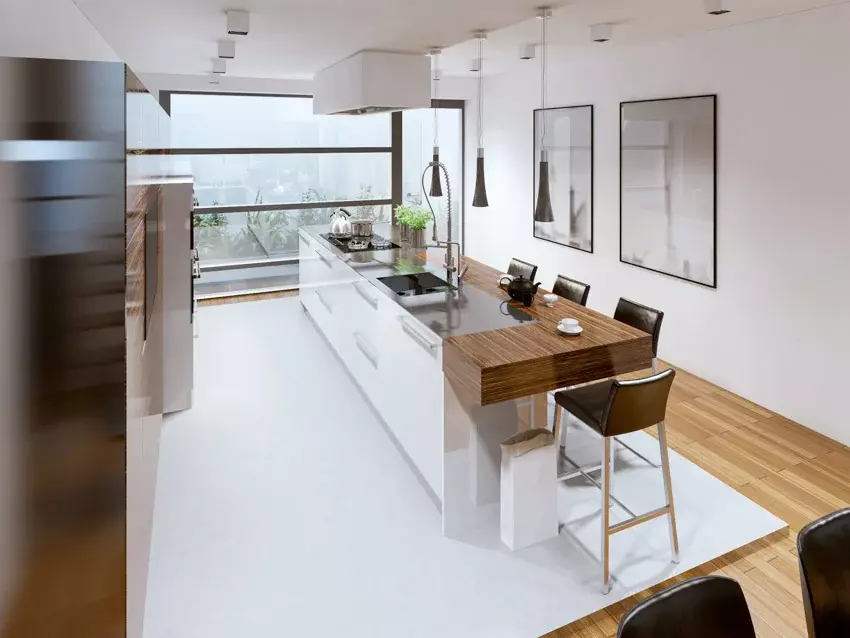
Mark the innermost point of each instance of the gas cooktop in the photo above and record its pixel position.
(359, 244)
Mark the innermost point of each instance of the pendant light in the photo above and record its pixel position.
(543, 210)
(480, 198)
(436, 188)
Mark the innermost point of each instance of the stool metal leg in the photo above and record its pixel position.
(668, 490)
(606, 514)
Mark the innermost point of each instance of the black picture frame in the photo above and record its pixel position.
(592, 187)
(714, 189)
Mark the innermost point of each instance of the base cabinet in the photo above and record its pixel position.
(396, 361)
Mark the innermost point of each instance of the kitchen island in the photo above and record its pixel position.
(453, 372)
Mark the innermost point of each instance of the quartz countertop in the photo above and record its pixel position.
(466, 310)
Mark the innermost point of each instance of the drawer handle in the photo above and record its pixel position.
(417, 336)
(325, 303)
(372, 301)
(366, 348)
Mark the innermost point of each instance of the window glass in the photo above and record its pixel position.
(244, 121)
(241, 180)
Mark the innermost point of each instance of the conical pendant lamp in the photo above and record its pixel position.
(543, 209)
(479, 200)
(436, 188)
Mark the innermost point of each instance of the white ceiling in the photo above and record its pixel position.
(297, 38)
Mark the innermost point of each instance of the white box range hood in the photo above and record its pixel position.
(373, 82)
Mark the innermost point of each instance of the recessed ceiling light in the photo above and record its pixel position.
(717, 7)
(219, 66)
(213, 79)
(601, 32)
(237, 22)
(226, 49)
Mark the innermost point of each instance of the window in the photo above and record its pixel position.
(264, 166)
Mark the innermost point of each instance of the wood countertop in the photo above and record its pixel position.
(511, 363)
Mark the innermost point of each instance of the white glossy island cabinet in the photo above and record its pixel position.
(396, 361)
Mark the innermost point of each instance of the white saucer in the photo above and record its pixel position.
(574, 332)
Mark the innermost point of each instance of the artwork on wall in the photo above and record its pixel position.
(563, 152)
(668, 187)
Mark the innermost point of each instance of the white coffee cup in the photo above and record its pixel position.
(570, 325)
(550, 299)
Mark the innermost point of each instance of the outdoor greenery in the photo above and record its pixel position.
(413, 216)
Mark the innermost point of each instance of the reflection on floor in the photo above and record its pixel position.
(787, 469)
(280, 496)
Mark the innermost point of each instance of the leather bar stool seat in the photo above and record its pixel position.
(707, 607)
(823, 548)
(571, 289)
(520, 268)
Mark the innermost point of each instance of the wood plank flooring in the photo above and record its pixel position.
(793, 472)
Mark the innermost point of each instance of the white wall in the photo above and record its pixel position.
(775, 330)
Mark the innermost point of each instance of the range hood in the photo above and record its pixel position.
(373, 82)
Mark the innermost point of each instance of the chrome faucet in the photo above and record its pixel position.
(450, 264)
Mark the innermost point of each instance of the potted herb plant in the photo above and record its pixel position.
(412, 221)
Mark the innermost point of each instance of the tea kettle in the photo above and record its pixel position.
(340, 223)
(519, 289)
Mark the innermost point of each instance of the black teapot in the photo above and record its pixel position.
(519, 289)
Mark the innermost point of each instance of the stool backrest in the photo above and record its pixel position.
(824, 550)
(707, 607)
(637, 405)
(571, 289)
(641, 317)
(518, 267)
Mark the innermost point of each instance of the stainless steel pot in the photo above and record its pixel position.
(361, 228)
(340, 224)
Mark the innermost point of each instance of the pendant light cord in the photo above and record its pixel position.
(481, 93)
(435, 72)
(543, 19)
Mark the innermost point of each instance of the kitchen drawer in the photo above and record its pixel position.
(318, 266)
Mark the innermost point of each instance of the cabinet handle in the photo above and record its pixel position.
(372, 301)
(366, 348)
(325, 303)
(417, 336)
(327, 260)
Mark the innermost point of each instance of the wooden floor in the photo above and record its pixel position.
(260, 296)
(794, 473)
(787, 469)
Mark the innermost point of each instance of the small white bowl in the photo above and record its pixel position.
(505, 275)
(550, 299)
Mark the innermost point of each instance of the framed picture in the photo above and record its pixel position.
(668, 187)
(566, 136)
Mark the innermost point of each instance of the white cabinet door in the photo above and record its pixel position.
(413, 394)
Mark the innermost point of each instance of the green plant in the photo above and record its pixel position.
(209, 220)
(412, 216)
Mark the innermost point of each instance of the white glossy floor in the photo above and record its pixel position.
(283, 509)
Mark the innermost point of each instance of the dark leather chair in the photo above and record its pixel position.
(571, 289)
(707, 607)
(520, 268)
(824, 551)
(613, 408)
(643, 318)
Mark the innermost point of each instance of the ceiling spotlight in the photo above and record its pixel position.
(601, 32)
(717, 7)
(475, 65)
(214, 79)
(237, 22)
(219, 66)
(226, 49)
(526, 52)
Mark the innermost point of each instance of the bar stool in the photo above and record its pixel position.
(707, 607)
(571, 289)
(520, 268)
(645, 319)
(825, 573)
(613, 408)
